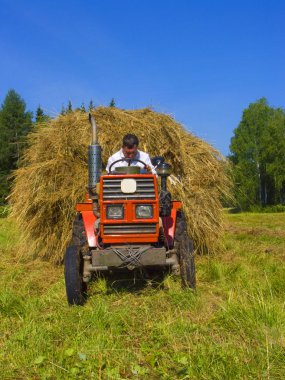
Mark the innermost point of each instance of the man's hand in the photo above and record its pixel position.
(148, 168)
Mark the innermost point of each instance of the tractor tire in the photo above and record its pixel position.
(185, 253)
(73, 267)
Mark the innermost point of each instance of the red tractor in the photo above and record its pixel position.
(127, 222)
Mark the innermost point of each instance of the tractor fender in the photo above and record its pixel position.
(169, 222)
(88, 219)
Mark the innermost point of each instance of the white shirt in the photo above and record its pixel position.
(144, 157)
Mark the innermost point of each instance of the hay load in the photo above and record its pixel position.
(54, 175)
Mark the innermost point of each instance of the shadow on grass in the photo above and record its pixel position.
(234, 210)
(133, 281)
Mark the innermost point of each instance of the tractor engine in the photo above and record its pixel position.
(129, 209)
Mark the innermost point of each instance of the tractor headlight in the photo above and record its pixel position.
(115, 212)
(144, 211)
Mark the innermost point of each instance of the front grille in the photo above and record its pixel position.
(124, 229)
(112, 189)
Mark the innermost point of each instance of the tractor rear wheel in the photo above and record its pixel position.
(185, 253)
(73, 266)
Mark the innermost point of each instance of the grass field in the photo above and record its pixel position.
(232, 327)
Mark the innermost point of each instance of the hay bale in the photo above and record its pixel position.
(53, 176)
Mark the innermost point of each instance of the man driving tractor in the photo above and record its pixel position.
(130, 150)
(128, 221)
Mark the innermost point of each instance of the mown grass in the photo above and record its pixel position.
(232, 327)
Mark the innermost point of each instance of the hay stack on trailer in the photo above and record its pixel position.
(54, 175)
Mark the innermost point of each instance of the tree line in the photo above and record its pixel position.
(257, 149)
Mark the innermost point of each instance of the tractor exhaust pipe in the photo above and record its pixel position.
(94, 159)
(94, 130)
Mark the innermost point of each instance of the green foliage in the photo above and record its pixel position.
(232, 327)
(69, 106)
(4, 186)
(15, 123)
(66, 110)
(40, 115)
(4, 211)
(258, 156)
(91, 105)
(63, 110)
(112, 103)
(81, 108)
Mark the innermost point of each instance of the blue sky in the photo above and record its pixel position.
(202, 62)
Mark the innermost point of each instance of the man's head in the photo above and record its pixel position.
(130, 145)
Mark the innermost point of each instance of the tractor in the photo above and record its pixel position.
(128, 222)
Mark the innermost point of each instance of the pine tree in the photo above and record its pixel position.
(15, 123)
(91, 105)
(69, 106)
(82, 108)
(112, 103)
(40, 115)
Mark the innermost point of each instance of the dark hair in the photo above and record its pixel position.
(130, 140)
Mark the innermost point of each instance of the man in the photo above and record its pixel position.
(130, 150)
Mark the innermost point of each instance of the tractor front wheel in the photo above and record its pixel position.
(73, 271)
(185, 253)
(76, 289)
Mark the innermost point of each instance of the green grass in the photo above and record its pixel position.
(4, 210)
(232, 327)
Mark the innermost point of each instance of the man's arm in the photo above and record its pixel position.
(150, 168)
(110, 161)
(116, 156)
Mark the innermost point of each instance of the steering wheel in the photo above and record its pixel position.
(129, 160)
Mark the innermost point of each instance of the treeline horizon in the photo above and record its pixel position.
(257, 149)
